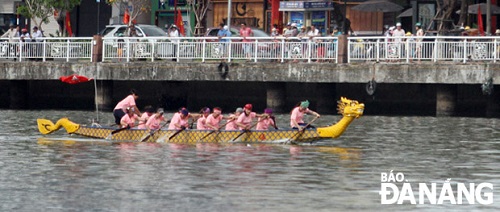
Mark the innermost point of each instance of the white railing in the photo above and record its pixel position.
(427, 48)
(47, 48)
(210, 48)
(279, 49)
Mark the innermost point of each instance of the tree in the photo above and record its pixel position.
(445, 10)
(138, 7)
(41, 10)
(199, 8)
(36, 9)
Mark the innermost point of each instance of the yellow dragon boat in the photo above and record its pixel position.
(350, 110)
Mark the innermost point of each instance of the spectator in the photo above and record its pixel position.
(246, 32)
(11, 33)
(418, 46)
(223, 34)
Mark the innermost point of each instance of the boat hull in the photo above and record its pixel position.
(197, 136)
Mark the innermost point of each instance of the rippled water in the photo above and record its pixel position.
(64, 173)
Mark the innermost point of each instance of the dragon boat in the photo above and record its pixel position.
(350, 110)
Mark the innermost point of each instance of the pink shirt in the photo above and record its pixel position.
(231, 125)
(129, 120)
(153, 123)
(176, 119)
(245, 33)
(264, 124)
(213, 121)
(142, 124)
(129, 101)
(298, 116)
(200, 123)
(246, 120)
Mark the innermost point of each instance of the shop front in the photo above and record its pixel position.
(304, 13)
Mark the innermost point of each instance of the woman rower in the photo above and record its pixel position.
(201, 122)
(263, 123)
(296, 119)
(155, 120)
(129, 119)
(149, 111)
(231, 121)
(181, 120)
(213, 120)
(129, 101)
(244, 121)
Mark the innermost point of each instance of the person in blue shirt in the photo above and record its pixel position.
(223, 32)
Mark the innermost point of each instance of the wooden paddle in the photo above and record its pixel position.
(116, 131)
(218, 130)
(244, 131)
(153, 132)
(301, 131)
(176, 133)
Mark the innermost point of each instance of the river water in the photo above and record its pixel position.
(59, 172)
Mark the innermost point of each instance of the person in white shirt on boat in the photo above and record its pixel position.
(296, 119)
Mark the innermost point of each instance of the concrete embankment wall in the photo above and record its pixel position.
(401, 89)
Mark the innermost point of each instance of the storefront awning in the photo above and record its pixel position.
(305, 6)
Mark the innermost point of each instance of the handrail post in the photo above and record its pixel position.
(465, 51)
(495, 50)
(203, 50)
(153, 53)
(43, 50)
(309, 46)
(67, 50)
(408, 50)
(256, 50)
(229, 50)
(282, 50)
(378, 51)
(128, 48)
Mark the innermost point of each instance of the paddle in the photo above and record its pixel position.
(176, 133)
(116, 131)
(153, 132)
(218, 130)
(302, 130)
(244, 131)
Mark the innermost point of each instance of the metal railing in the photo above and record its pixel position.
(47, 48)
(279, 49)
(427, 48)
(210, 48)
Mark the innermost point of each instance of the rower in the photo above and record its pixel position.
(180, 120)
(263, 123)
(155, 120)
(129, 119)
(120, 110)
(213, 120)
(200, 123)
(149, 111)
(296, 119)
(244, 121)
(231, 121)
